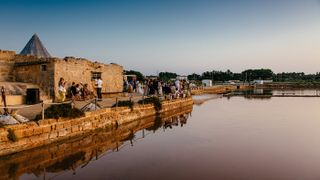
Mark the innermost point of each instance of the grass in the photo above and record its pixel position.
(12, 136)
(124, 104)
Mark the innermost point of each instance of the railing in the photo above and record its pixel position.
(109, 102)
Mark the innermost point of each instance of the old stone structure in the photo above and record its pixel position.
(78, 151)
(46, 71)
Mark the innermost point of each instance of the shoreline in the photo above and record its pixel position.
(35, 134)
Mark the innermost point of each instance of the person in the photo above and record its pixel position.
(86, 92)
(77, 94)
(73, 89)
(146, 88)
(62, 90)
(139, 88)
(177, 84)
(160, 92)
(99, 88)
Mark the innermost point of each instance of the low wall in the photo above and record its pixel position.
(30, 135)
(79, 151)
(219, 89)
(12, 100)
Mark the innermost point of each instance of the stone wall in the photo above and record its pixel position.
(29, 69)
(30, 135)
(219, 89)
(80, 150)
(36, 72)
(80, 70)
(6, 65)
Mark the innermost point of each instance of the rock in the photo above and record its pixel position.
(20, 118)
(7, 120)
(90, 107)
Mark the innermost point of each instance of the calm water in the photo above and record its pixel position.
(235, 138)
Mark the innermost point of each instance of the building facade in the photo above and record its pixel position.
(45, 71)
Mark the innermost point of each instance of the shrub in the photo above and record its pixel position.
(124, 104)
(152, 100)
(12, 136)
(61, 110)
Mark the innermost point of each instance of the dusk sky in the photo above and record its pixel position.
(182, 36)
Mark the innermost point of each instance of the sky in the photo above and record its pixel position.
(182, 36)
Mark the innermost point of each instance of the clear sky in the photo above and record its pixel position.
(182, 36)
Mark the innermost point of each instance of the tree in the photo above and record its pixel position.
(139, 75)
(252, 74)
(194, 76)
(166, 76)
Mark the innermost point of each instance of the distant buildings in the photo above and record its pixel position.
(207, 82)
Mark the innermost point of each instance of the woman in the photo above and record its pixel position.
(62, 90)
(139, 88)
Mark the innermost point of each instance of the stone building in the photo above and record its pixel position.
(34, 65)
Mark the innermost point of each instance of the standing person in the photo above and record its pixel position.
(99, 88)
(178, 85)
(73, 89)
(62, 90)
(160, 92)
(146, 88)
(139, 88)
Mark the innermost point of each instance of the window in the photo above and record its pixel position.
(43, 67)
(95, 75)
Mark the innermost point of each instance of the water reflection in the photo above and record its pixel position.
(269, 93)
(50, 161)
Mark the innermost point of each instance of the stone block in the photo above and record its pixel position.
(53, 135)
(62, 132)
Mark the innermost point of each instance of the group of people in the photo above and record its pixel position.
(153, 87)
(79, 91)
(158, 88)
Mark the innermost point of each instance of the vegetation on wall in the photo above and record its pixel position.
(152, 100)
(124, 104)
(61, 110)
(12, 136)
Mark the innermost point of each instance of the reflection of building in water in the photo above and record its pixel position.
(78, 152)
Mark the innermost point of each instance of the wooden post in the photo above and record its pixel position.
(42, 105)
(95, 104)
(143, 99)
(116, 101)
(3, 95)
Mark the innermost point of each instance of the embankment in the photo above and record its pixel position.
(219, 89)
(79, 151)
(16, 138)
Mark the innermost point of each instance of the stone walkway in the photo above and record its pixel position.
(31, 111)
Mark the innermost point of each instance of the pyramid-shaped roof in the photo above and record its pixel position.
(35, 47)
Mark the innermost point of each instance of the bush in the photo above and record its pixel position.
(12, 136)
(152, 100)
(124, 104)
(61, 110)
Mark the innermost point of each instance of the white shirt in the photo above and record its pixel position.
(99, 83)
(62, 89)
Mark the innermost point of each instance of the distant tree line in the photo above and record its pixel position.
(245, 76)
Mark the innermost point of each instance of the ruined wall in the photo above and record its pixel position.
(80, 70)
(30, 135)
(6, 65)
(36, 71)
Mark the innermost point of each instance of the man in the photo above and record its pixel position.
(73, 89)
(99, 88)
